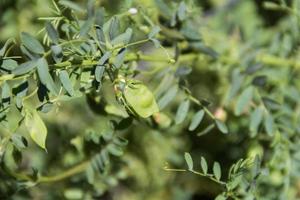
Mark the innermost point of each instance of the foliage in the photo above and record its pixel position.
(95, 103)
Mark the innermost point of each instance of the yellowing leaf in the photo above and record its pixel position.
(141, 99)
(36, 127)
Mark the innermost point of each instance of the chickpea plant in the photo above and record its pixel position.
(89, 53)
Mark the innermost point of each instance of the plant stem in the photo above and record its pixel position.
(66, 174)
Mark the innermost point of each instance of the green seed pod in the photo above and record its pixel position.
(140, 98)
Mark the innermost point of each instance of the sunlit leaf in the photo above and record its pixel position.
(196, 120)
(217, 170)
(36, 127)
(243, 100)
(182, 111)
(203, 165)
(221, 126)
(44, 75)
(189, 161)
(31, 43)
(66, 82)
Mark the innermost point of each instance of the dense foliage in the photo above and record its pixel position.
(149, 99)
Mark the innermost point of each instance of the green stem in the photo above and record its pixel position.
(129, 57)
(66, 174)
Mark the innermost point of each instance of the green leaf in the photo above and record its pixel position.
(57, 53)
(206, 130)
(204, 165)
(66, 82)
(155, 30)
(5, 95)
(217, 170)
(90, 174)
(115, 150)
(19, 141)
(86, 27)
(36, 127)
(269, 124)
(221, 197)
(255, 120)
(155, 42)
(199, 46)
(71, 5)
(20, 91)
(101, 37)
(104, 58)
(221, 126)
(271, 5)
(44, 75)
(244, 100)
(52, 33)
(99, 71)
(122, 39)
(196, 120)
(114, 28)
(27, 53)
(9, 65)
(182, 111)
(181, 13)
(120, 58)
(31, 43)
(141, 99)
(4, 48)
(189, 161)
(164, 9)
(24, 68)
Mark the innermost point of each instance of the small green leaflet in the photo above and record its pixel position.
(104, 58)
(71, 5)
(269, 124)
(44, 75)
(24, 68)
(19, 141)
(182, 111)
(31, 43)
(9, 65)
(3, 49)
(167, 97)
(27, 53)
(203, 165)
(155, 42)
(52, 33)
(86, 27)
(57, 53)
(255, 120)
(155, 30)
(119, 59)
(221, 197)
(115, 150)
(99, 71)
(189, 161)
(114, 28)
(36, 127)
(90, 174)
(196, 120)
(101, 37)
(66, 82)
(217, 170)
(221, 126)
(243, 100)
(141, 99)
(5, 95)
(122, 39)
(206, 130)
(181, 13)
